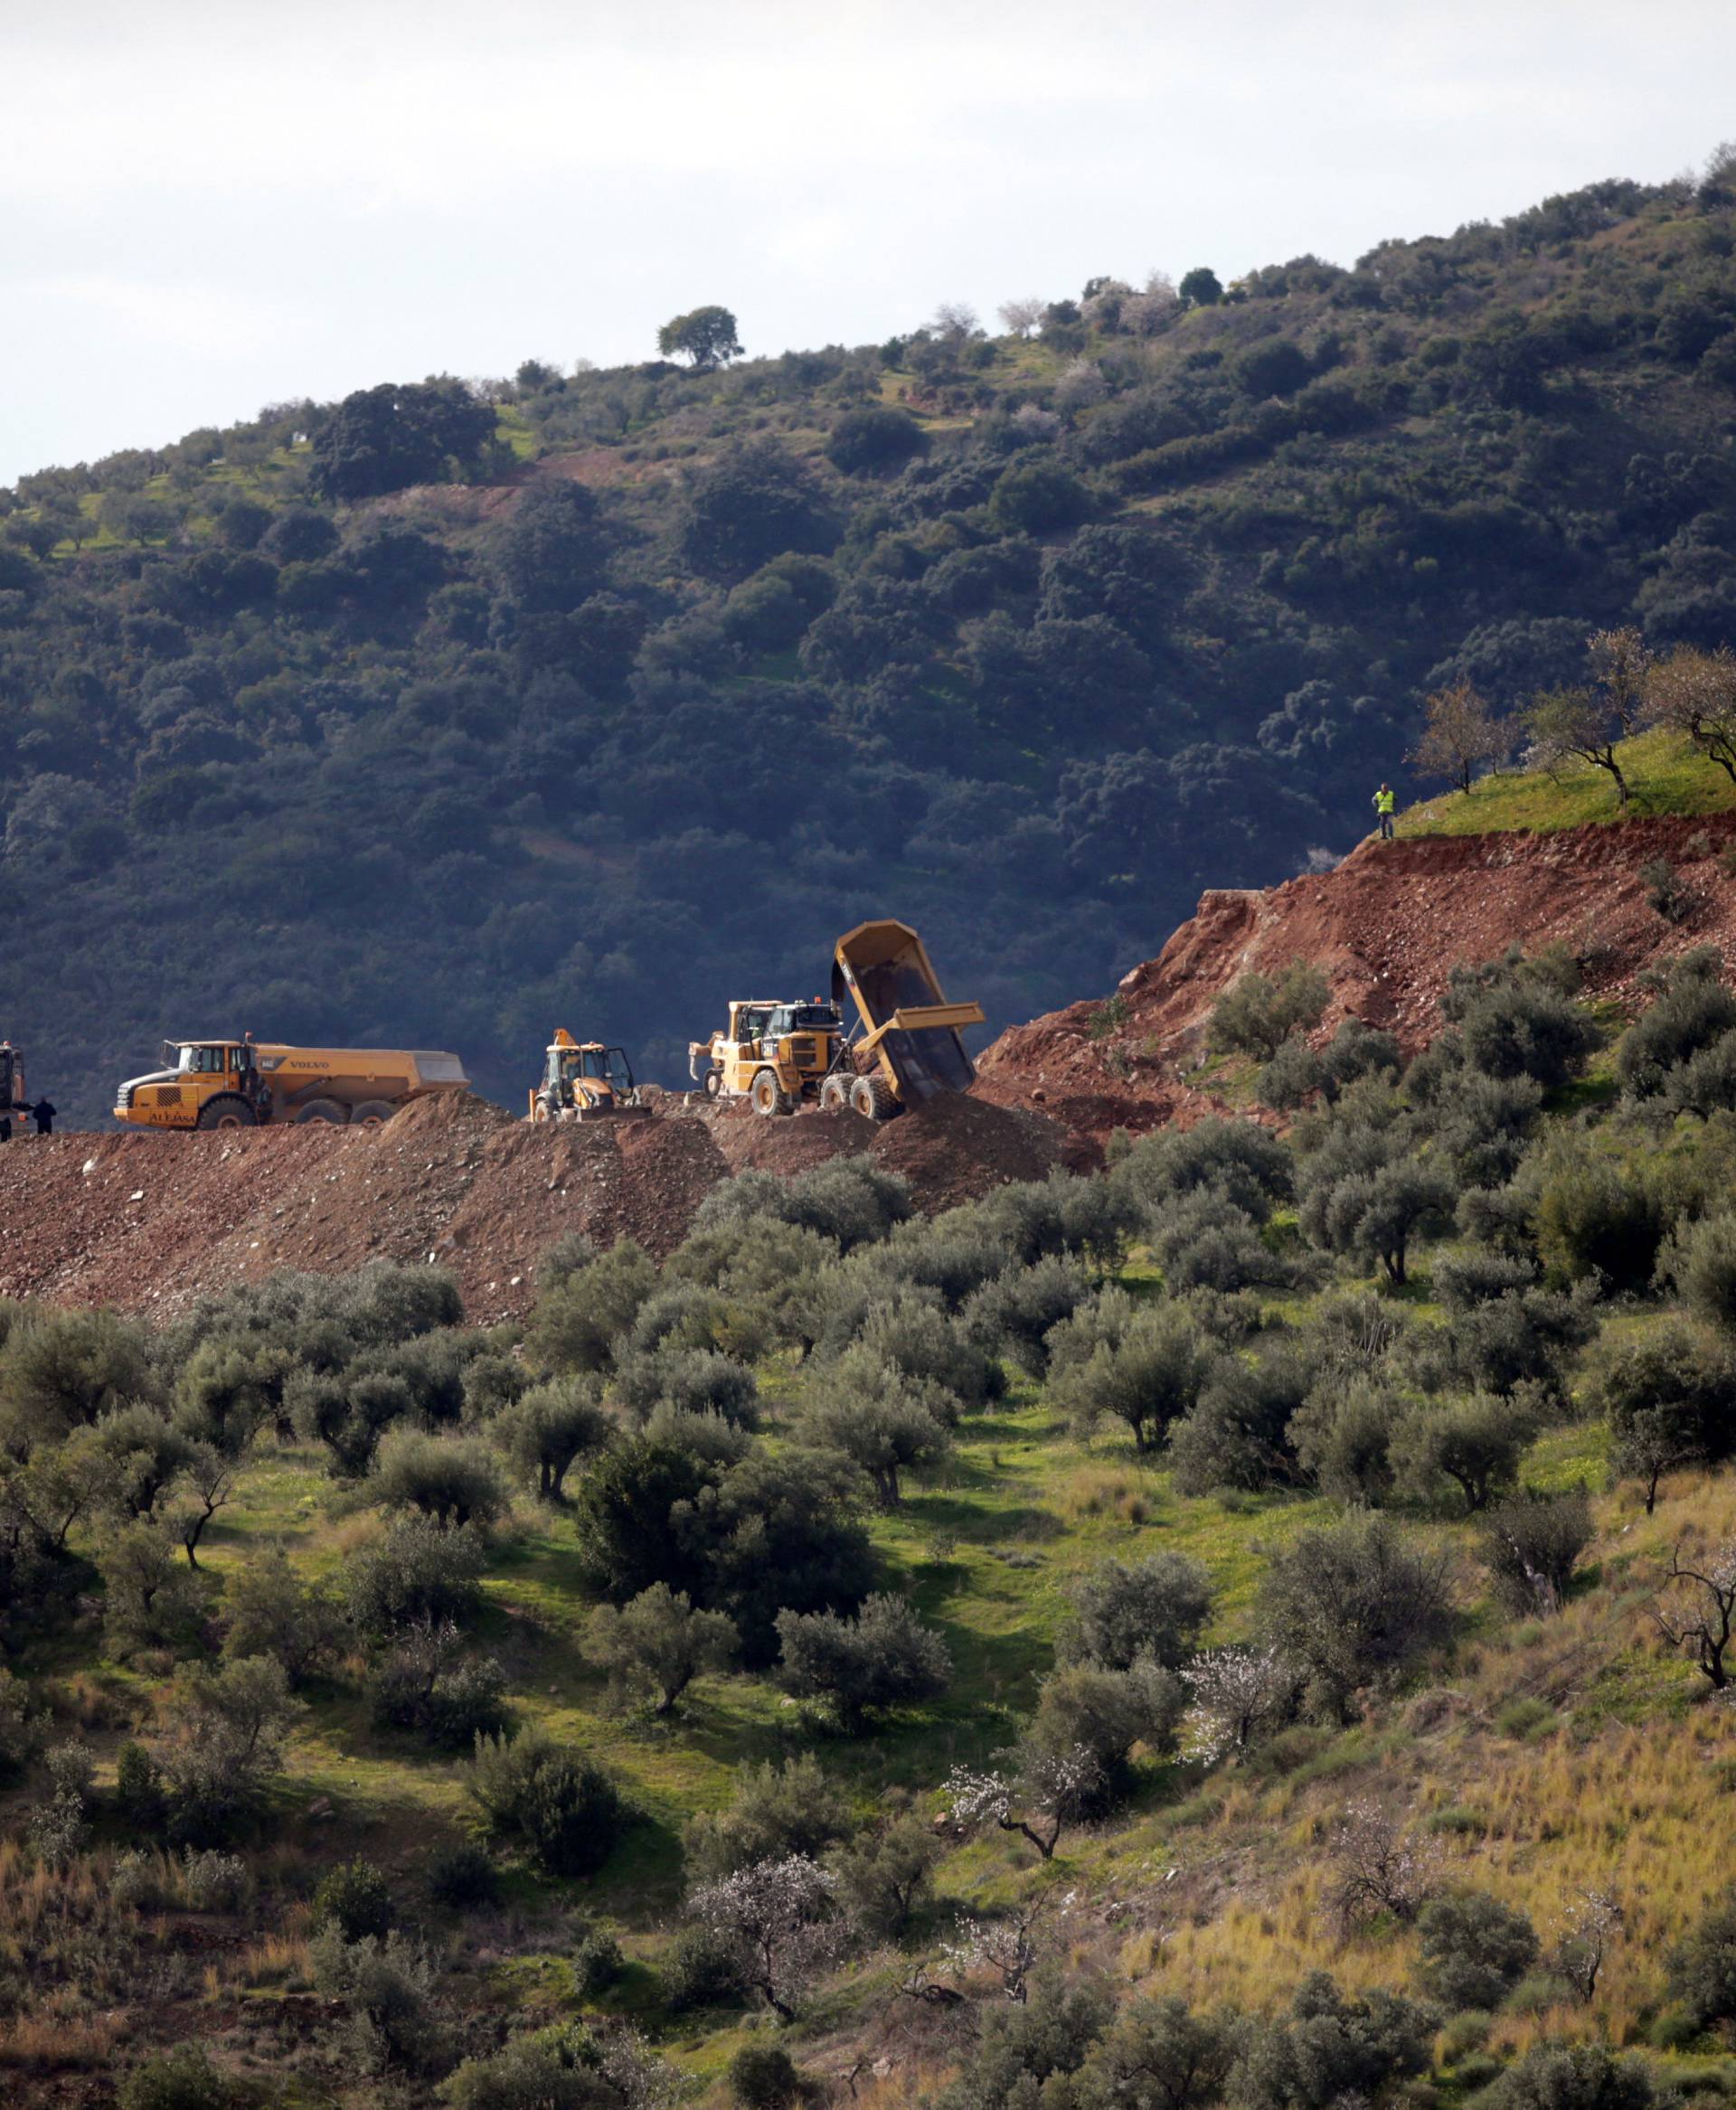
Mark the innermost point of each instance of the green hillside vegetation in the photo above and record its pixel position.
(452, 712)
(1257, 1620)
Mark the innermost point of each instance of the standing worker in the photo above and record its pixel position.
(42, 1113)
(1385, 800)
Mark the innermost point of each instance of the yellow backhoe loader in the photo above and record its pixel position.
(243, 1084)
(583, 1079)
(910, 1049)
(774, 1055)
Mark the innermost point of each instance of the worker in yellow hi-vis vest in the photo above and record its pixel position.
(1386, 801)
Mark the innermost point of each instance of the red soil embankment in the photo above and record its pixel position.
(1387, 928)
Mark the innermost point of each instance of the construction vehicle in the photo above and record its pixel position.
(14, 1099)
(583, 1079)
(244, 1083)
(774, 1055)
(910, 1049)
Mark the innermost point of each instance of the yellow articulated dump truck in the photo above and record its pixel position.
(245, 1083)
(774, 1055)
(910, 1049)
(583, 1079)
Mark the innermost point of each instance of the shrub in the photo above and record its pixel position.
(1018, 1310)
(1702, 1968)
(597, 1962)
(417, 1574)
(581, 1314)
(776, 1810)
(1533, 1543)
(885, 1874)
(1701, 1260)
(387, 1988)
(1474, 1949)
(1144, 1365)
(1476, 1443)
(1572, 2077)
(1239, 1435)
(212, 1881)
(882, 1421)
(1105, 1713)
(1668, 1395)
(547, 1427)
(1595, 1217)
(701, 1969)
(355, 1899)
(180, 2080)
(1258, 1013)
(764, 2077)
(1249, 1165)
(138, 1787)
(658, 1645)
(1153, 1608)
(1692, 1010)
(1354, 1607)
(428, 1683)
(453, 1479)
(882, 1658)
(565, 1810)
(1158, 2052)
(1329, 2048)
(61, 1369)
(463, 1875)
(270, 1610)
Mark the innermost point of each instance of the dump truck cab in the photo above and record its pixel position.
(581, 1078)
(910, 1049)
(774, 1053)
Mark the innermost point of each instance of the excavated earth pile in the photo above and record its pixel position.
(148, 1223)
(1387, 928)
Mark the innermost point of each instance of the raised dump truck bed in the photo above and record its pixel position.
(910, 1047)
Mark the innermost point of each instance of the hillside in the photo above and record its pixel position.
(1201, 1632)
(449, 714)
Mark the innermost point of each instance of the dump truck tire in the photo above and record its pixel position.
(871, 1097)
(371, 1113)
(320, 1110)
(769, 1097)
(227, 1110)
(835, 1095)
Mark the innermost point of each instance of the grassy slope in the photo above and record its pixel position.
(1210, 1887)
(1665, 775)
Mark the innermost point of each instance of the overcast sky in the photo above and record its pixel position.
(206, 206)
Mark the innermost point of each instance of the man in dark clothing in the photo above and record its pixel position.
(43, 1114)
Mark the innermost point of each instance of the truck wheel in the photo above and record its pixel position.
(713, 1084)
(835, 1095)
(227, 1110)
(768, 1095)
(321, 1110)
(371, 1113)
(872, 1097)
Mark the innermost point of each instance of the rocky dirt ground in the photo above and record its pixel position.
(1387, 928)
(147, 1222)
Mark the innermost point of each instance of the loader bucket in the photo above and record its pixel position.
(905, 1015)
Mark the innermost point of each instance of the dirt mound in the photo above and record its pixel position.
(1387, 928)
(149, 1221)
(956, 1149)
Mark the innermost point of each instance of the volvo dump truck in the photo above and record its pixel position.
(243, 1084)
(909, 1048)
(774, 1055)
(583, 1079)
(15, 1100)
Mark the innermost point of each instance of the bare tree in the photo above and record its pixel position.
(1575, 722)
(1704, 1631)
(1043, 1792)
(208, 1479)
(1239, 1693)
(1021, 317)
(1591, 1925)
(1620, 664)
(1462, 732)
(1007, 1946)
(955, 320)
(778, 1919)
(1381, 1870)
(1693, 693)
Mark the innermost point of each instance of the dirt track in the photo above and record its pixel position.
(1387, 928)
